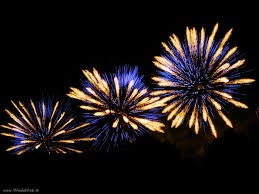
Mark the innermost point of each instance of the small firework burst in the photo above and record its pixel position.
(43, 126)
(118, 106)
(198, 77)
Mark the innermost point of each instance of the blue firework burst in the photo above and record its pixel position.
(43, 125)
(199, 76)
(117, 106)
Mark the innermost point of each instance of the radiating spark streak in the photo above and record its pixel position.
(107, 90)
(168, 98)
(78, 127)
(14, 128)
(78, 94)
(167, 83)
(97, 75)
(143, 101)
(238, 64)
(74, 150)
(88, 107)
(238, 104)
(60, 150)
(53, 113)
(164, 61)
(210, 41)
(170, 107)
(38, 145)
(15, 147)
(133, 125)
(212, 127)
(11, 135)
(221, 68)
(147, 103)
(191, 36)
(93, 93)
(62, 127)
(22, 151)
(133, 94)
(169, 51)
(188, 37)
(43, 113)
(23, 116)
(164, 68)
(35, 112)
(66, 141)
(179, 118)
(224, 94)
(60, 118)
(28, 141)
(215, 103)
(100, 114)
(177, 44)
(221, 79)
(227, 121)
(228, 55)
(152, 125)
(25, 110)
(204, 112)
(16, 119)
(202, 40)
(191, 121)
(152, 100)
(196, 125)
(59, 133)
(93, 80)
(85, 139)
(160, 92)
(242, 81)
(173, 112)
(107, 111)
(117, 88)
(131, 83)
(125, 119)
(115, 123)
(152, 105)
(220, 48)
(141, 93)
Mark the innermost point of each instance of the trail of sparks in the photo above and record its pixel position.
(203, 73)
(40, 125)
(118, 106)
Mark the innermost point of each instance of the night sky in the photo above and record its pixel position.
(44, 52)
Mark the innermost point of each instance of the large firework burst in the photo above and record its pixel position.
(198, 77)
(118, 106)
(42, 125)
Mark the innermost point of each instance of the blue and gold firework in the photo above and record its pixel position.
(117, 106)
(43, 125)
(197, 77)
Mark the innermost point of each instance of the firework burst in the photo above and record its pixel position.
(118, 106)
(43, 126)
(198, 77)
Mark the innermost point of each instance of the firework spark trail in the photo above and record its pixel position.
(40, 125)
(202, 75)
(118, 106)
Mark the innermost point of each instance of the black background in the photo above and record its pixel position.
(43, 52)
